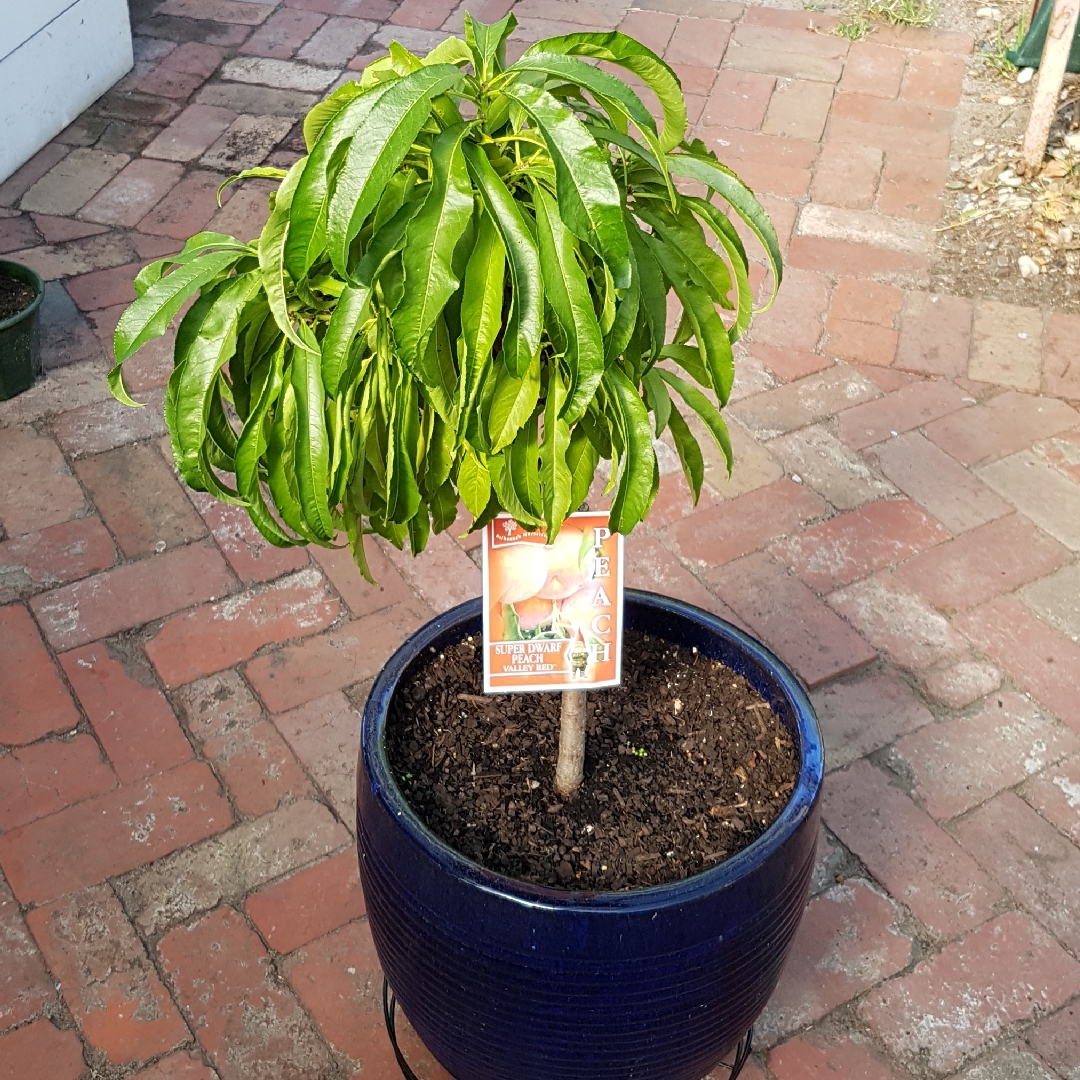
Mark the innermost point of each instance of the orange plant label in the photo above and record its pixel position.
(553, 613)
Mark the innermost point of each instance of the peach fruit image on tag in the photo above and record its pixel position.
(553, 613)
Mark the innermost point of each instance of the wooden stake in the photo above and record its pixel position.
(570, 770)
(1055, 57)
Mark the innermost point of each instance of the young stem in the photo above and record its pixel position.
(570, 770)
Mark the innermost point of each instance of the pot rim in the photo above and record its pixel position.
(31, 277)
(673, 894)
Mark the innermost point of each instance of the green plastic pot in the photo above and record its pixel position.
(1031, 48)
(20, 337)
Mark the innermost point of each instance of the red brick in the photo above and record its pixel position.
(141, 502)
(1061, 369)
(17, 233)
(36, 486)
(907, 851)
(898, 621)
(935, 334)
(42, 779)
(226, 11)
(1057, 1039)
(35, 700)
(850, 938)
(860, 342)
(790, 619)
(962, 683)
(925, 38)
(109, 983)
(282, 34)
(789, 364)
(762, 177)
(25, 985)
(219, 635)
(652, 28)
(189, 206)
(789, 19)
(54, 556)
(247, 752)
(867, 109)
(827, 256)
(24, 178)
(649, 565)
(57, 230)
(192, 132)
(252, 558)
(194, 58)
(361, 597)
(857, 718)
(339, 982)
(132, 193)
(796, 318)
(743, 524)
(768, 150)
(910, 407)
(128, 596)
(934, 78)
(307, 905)
(700, 42)
(872, 69)
(425, 14)
(360, 9)
(958, 764)
(937, 482)
(1042, 660)
(248, 1024)
(799, 109)
(443, 575)
(847, 176)
(247, 211)
(325, 734)
(993, 559)
(924, 143)
(855, 300)
(1005, 424)
(133, 720)
(911, 187)
(953, 1006)
(1030, 858)
(697, 82)
(796, 38)
(113, 833)
(41, 1052)
(179, 1066)
(164, 82)
(1055, 793)
(812, 1058)
(888, 379)
(300, 673)
(104, 288)
(106, 424)
(853, 545)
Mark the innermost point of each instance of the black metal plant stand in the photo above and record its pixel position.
(389, 1005)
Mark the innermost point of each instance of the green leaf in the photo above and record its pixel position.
(523, 456)
(312, 446)
(502, 481)
(688, 357)
(473, 483)
(149, 316)
(705, 409)
(281, 460)
(437, 372)
(512, 404)
(657, 399)
(320, 116)
(624, 51)
(582, 457)
(555, 477)
(635, 490)
(430, 240)
(521, 339)
(683, 232)
(589, 200)
(451, 51)
(570, 299)
(653, 290)
(377, 149)
(742, 201)
(686, 446)
(481, 309)
(210, 349)
(352, 311)
(487, 43)
(732, 244)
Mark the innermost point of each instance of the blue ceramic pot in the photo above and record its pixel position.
(508, 981)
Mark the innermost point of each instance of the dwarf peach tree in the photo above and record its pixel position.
(461, 293)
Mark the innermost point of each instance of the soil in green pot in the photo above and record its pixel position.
(685, 765)
(15, 296)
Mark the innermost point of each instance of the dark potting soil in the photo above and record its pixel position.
(15, 296)
(685, 765)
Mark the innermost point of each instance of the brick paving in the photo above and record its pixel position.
(179, 897)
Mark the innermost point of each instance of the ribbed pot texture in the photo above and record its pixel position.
(508, 981)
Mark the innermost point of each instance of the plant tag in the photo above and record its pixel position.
(553, 613)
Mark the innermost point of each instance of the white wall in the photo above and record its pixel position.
(56, 58)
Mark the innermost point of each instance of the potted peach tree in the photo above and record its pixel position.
(462, 294)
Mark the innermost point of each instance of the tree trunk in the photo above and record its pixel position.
(1059, 37)
(570, 770)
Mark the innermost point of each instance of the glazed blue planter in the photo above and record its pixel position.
(508, 981)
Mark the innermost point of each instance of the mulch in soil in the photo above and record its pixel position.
(685, 765)
(15, 296)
